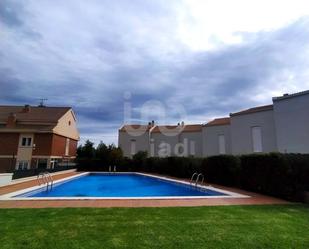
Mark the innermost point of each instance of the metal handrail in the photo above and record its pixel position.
(197, 179)
(192, 177)
(49, 179)
(45, 178)
(40, 178)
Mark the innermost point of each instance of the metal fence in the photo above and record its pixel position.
(32, 172)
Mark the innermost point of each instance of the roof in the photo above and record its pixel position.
(35, 115)
(219, 121)
(135, 127)
(253, 110)
(177, 128)
(166, 128)
(193, 128)
(287, 96)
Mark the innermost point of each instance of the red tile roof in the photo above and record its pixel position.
(219, 121)
(166, 128)
(35, 114)
(135, 127)
(177, 128)
(193, 128)
(253, 110)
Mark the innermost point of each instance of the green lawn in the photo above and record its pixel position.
(228, 227)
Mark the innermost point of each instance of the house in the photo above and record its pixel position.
(279, 127)
(176, 140)
(217, 137)
(253, 130)
(161, 140)
(36, 137)
(134, 138)
(291, 114)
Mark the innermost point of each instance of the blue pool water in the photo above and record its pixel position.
(119, 185)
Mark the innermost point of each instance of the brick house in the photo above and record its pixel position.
(36, 137)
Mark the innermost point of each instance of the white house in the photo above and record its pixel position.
(253, 130)
(134, 138)
(217, 137)
(291, 114)
(278, 127)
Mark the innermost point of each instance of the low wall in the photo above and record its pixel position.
(5, 178)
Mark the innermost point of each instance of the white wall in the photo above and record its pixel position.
(158, 139)
(292, 124)
(193, 142)
(241, 132)
(125, 143)
(211, 139)
(67, 126)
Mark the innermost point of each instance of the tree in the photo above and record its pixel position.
(87, 150)
(140, 156)
(102, 152)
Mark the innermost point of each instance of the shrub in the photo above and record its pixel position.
(223, 169)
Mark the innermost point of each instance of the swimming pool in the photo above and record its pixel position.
(120, 186)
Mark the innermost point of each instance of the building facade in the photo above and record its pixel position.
(216, 137)
(253, 130)
(279, 127)
(37, 137)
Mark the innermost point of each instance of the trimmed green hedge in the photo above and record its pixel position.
(280, 175)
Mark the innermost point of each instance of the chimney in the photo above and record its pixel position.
(182, 123)
(286, 94)
(152, 123)
(26, 109)
(11, 121)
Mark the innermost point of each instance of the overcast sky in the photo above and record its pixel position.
(164, 60)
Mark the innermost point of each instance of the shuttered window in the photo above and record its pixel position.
(257, 139)
(221, 139)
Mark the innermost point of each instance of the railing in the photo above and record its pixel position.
(111, 170)
(45, 178)
(199, 177)
(192, 177)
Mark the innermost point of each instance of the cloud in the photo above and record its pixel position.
(89, 54)
(9, 13)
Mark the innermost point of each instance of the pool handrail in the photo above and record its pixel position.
(45, 178)
(197, 179)
(192, 177)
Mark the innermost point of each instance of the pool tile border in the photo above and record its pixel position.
(11, 196)
(256, 199)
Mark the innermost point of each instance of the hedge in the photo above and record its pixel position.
(281, 175)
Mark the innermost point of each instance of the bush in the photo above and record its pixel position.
(280, 175)
(223, 169)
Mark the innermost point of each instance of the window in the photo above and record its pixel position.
(53, 162)
(67, 146)
(256, 133)
(22, 165)
(221, 139)
(133, 147)
(26, 141)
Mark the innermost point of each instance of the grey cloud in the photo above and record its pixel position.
(90, 60)
(9, 13)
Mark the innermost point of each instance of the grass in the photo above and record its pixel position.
(284, 226)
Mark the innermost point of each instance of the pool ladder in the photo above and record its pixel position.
(196, 182)
(45, 178)
(110, 170)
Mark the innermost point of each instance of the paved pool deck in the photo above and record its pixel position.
(255, 199)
